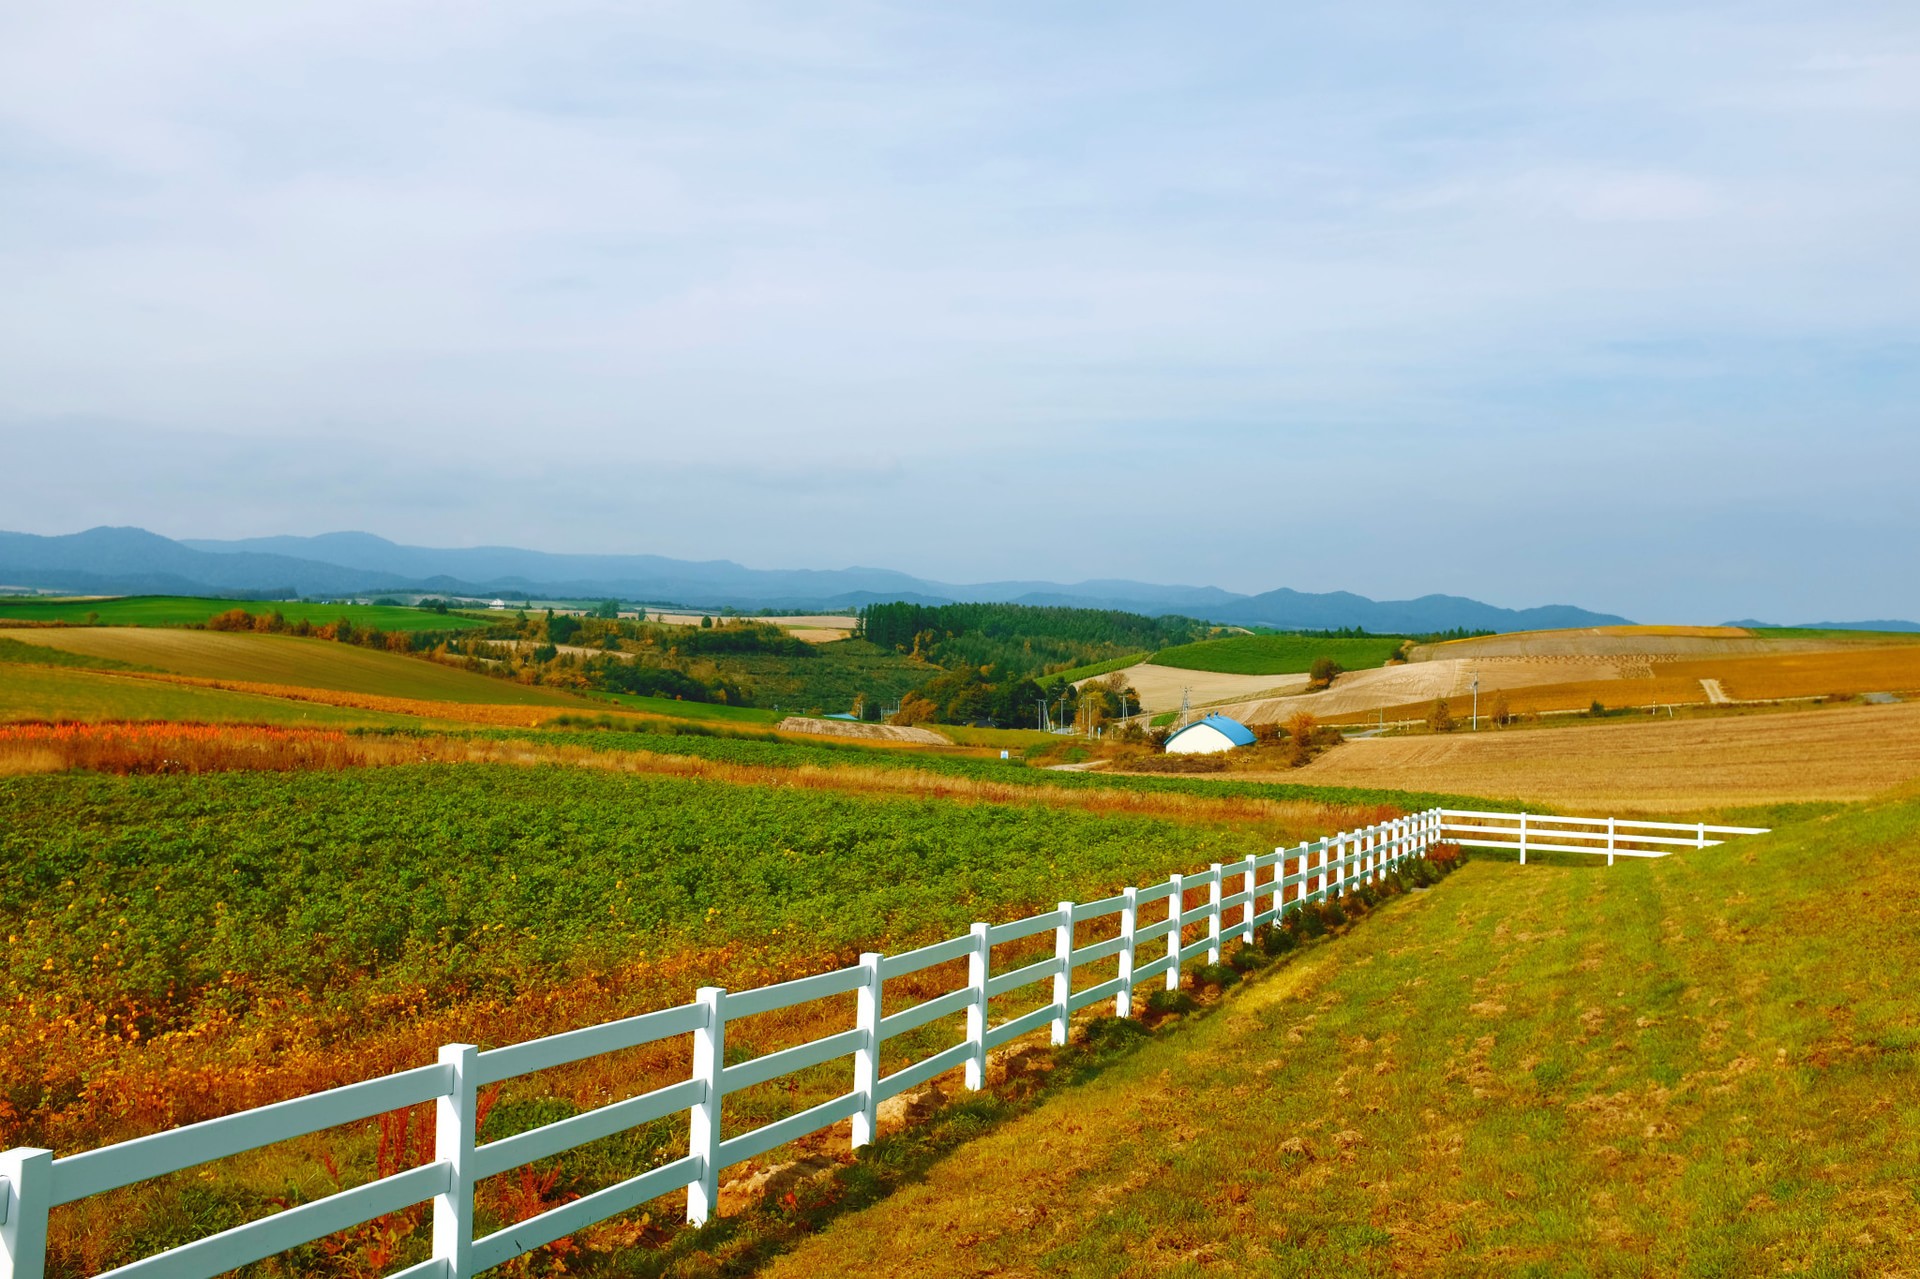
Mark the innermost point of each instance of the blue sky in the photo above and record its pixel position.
(1611, 305)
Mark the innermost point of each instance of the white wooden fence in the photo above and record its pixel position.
(1608, 836)
(33, 1182)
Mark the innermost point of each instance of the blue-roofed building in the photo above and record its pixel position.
(1206, 736)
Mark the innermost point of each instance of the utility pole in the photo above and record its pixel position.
(1476, 701)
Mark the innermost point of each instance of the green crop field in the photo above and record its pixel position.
(14, 653)
(1700, 1066)
(1278, 654)
(758, 750)
(53, 693)
(305, 880)
(188, 610)
(705, 712)
(1839, 638)
(294, 662)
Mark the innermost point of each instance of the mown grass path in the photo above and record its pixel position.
(1701, 1066)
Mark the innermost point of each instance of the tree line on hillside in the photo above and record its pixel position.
(1020, 638)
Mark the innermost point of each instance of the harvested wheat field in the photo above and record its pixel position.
(1576, 668)
(1649, 766)
(1363, 693)
(1890, 669)
(1610, 641)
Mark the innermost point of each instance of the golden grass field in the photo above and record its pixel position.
(1700, 1066)
(1648, 766)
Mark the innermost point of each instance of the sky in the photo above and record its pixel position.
(1612, 305)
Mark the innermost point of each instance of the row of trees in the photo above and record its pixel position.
(629, 657)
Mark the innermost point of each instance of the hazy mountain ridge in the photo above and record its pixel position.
(130, 560)
(1877, 624)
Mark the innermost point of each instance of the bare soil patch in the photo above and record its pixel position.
(854, 728)
(1160, 687)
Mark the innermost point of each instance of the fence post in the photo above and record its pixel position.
(1063, 980)
(866, 1058)
(1609, 841)
(1213, 912)
(1523, 839)
(703, 1138)
(1178, 910)
(1129, 922)
(1306, 863)
(454, 1136)
(1703, 836)
(1250, 910)
(26, 1196)
(977, 963)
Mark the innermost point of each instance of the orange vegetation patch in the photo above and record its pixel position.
(191, 748)
(1894, 669)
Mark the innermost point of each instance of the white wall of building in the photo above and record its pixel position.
(1198, 739)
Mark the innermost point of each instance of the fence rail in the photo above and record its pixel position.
(1609, 837)
(32, 1181)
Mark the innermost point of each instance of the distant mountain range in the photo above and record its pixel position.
(1882, 624)
(133, 561)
